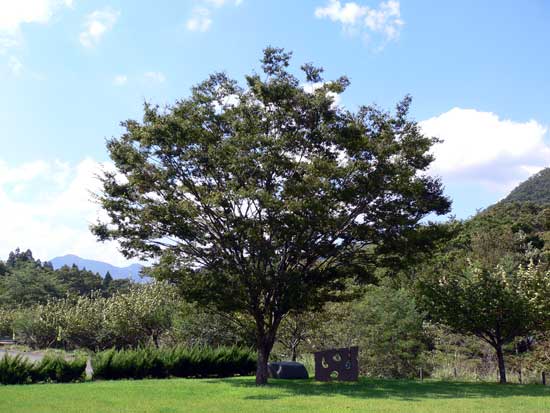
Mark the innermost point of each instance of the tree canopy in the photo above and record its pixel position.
(267, 198)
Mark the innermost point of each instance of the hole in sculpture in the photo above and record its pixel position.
(337, 358)
(334, 375)
(324, 363)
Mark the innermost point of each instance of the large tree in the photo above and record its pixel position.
(267, 198)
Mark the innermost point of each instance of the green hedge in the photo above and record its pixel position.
(57, 369)
(18, 370)
(173, 362)
(15, 370)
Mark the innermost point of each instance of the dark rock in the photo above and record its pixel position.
(287, 370)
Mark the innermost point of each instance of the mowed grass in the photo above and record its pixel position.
(242, 396)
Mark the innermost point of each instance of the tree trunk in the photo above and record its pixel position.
(294, 353)
(265, 338)
(501, 366)
(262, 373)
(156, 340)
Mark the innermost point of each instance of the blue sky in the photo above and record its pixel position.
(71, 70)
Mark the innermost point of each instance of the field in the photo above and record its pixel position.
(242, 396)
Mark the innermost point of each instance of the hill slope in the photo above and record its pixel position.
(131, 271)
(536, 189)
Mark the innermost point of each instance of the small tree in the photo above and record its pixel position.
(296, 330)
(495, 305)
(265, 199)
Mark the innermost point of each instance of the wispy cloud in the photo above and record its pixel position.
(120, 80)
(97, 24)
(200, 20)
(381, 24)
(201, 16)
(157, 77)
(15, 65)
(15, 13)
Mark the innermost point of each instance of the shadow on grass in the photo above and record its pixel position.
(406, 390)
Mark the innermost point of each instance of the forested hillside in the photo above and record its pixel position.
(535, 189)
(25, 281)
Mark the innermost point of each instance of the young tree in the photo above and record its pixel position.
(296, 329)
(107, 280)
(495, 305)
(265, 199)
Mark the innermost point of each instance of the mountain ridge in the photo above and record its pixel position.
(131, 271)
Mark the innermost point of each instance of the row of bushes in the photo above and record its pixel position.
(51, 369)
(173, 362)
(148, 362)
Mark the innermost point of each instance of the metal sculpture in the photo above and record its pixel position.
(337, 364)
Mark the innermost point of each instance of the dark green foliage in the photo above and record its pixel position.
(59, 370)
(176, 362)
(76, 281)
(536, 189)
(15, 370)
(27, 283)
(526, 222)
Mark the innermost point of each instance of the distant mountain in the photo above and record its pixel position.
(536, 189)
(131, 271)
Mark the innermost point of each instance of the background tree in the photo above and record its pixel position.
(195, 325)
(266, 199)
(297, 330)
(386, 325)
(493, 304)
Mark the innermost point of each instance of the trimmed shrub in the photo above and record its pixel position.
(129, 364)
(18, 370)
(56, 369)
(177, 362)
(15, 370)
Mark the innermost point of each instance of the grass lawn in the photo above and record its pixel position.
(242, 396)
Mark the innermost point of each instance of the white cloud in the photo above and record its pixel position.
(155, 77)
(15, 65)
(97, 24)
(47, 207)
(201, 17)
(15, 13)
(384, 21)
(481, 147)
(120, 80)
(199, 21)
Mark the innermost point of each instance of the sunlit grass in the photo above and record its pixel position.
(242, 396)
